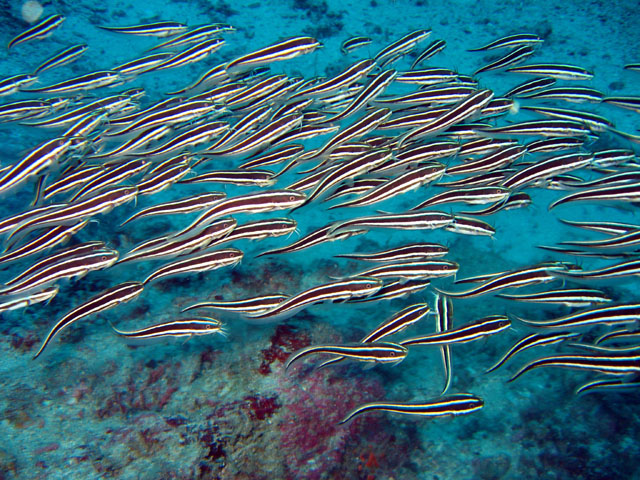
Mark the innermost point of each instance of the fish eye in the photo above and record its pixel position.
(104, 258)
(292, 198)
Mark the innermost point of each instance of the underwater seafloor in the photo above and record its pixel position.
(93, 406)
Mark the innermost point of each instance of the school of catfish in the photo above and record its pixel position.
(385, 126)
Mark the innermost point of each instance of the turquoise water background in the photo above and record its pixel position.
(214, 407)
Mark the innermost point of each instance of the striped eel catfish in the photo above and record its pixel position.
(331, 292)
(109, 298)
(379, 352)
(455, 404)
(624, 364)
(187, 327)
(397, 323)
(467, 333)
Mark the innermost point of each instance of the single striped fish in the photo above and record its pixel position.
(42, 157)
(349, 169)
(341, 290)
(466, 333)
(606, 384)
(519, 278)
(402, 221)
(492, 161)
(417, 269)
(161, 180)
(391, 290)
(353, 43)
(48, 239)
(612, 315)
(546, 169)
(530, 87)
(627, 177)
(16, 83)
(184, 112)
(257, 178)
(378, 352)
(260, 139)
(515, 200)
(190, 55)
(421, 154)
(624, 364)
(373, 89)
(595, 122)
(274, 157)
(213, 76)
(194, 136)
(196, 35)
(568, 94)
(28, 299)
(187, 327)
(156, 29)
(450, 405)
(402, 46)
(361, 127)
(258, 304)
(406, 182)
(397, 323)
(517, 55)
(549, 145)
(511, 41)
(109, 298)
(466, 108)
(470, 226)
(618, 242)
(316, 237)
(259, 202)
(533, 340)
(142, 64)
(444, 323)
(545, 128)
(344, 79)
(107, 105)
(11, 222)
(630, 103)
(416, 251)
(111, 176)
(427, 76)
(101, 202)
(621, 335)
(492, 178)
(89, 81)
(71, 179)
(67, 268)
(39, 31)
(78, 250)
(616, 193)
(168, 247)
(432, 96)
(63, 57)
(284, 50)
(610, 228)
(468, 195)
(200, 263)
(29, 109)
(435, 47)
(558, 71)
(576, 297)
(259, 230)
(184, 205)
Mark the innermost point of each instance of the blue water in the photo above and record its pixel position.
(93, 406)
